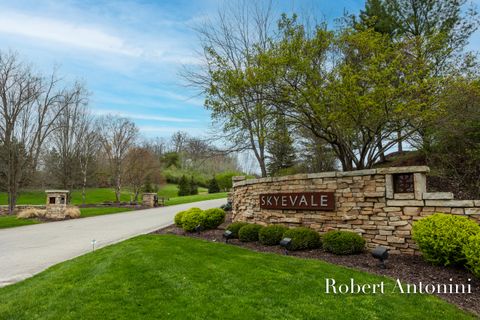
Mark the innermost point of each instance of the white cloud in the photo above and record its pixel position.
(136, 116)
(65, 33)
(152, 130)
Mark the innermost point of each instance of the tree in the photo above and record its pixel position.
(227, 78)
(347, 88)
(455, 152)
(183, 187)
(193, 186)
(140, 164)
(435, 34)
(67, 140)
(87, 147)
(280, 148)
(213, 186)
(117, 135)
(30, 104)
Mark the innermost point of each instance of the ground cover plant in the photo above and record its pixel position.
(168, 277)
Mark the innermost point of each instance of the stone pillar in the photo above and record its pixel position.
(150, 200)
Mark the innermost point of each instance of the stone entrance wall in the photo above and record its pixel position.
(366, 202)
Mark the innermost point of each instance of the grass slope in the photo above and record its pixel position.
(169, 277)
(12, 221)
(195, 198)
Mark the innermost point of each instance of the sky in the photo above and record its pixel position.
(129, 53)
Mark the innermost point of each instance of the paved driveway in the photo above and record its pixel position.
(25, 251)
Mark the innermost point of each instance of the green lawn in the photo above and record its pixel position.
(172, 277)
(198, 197)
(95, 195)
(90, 212)
(171, 191)
(12, 221)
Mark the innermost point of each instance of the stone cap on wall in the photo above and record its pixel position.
(57, 191)
(241, 180)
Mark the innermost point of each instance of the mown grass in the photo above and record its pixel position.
(171, 277)
(13, 221)
(195, 198)
(93, 195)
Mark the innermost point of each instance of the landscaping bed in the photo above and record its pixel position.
(409, 269)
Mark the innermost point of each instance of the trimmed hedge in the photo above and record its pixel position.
(213, 218)
(192, 218)
(178, 218)
(472, 254)
(343, 242)
(249, 233)
(441, 238)
(271, 235)
(235, 227)
(303, 238)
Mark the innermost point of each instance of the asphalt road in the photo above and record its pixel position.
(25, 251)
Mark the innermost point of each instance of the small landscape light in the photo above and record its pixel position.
(285, 243)
(199, 228)
(227, 235)
(381, 253)
(93, 244)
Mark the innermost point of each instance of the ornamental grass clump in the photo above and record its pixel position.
(271, 235)
(441, 238)
(249, 232)
(343, 242)
(303, 238)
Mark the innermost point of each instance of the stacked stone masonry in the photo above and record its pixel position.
(365, 203)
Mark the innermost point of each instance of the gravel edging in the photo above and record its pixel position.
(409, 269)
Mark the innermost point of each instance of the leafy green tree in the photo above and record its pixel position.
(183, 187)
(213, 186)
(171, 159)
(455, 153)
(235, 95)
(193, 186)
(280, 148)
(224, 179)
(347, 88)
(435, 34)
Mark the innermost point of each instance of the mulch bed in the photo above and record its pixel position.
(409, 269)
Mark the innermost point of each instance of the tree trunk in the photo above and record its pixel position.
(399, 145)
(380, 147)
(117, 188)
(12, 201)
(84, 187)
